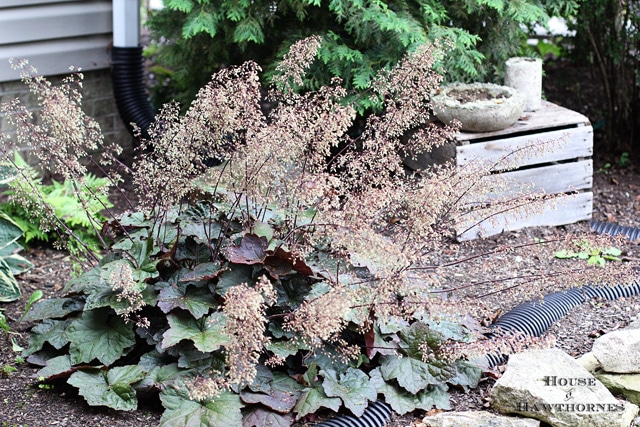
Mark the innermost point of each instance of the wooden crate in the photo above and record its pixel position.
(565, 170)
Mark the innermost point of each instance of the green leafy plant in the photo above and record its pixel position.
(8, 370)
(593, 255)
(296, 275)
(35, 296)
(62, 198)
(11, 264)
(3, 323)
(358, 38)
(623, 160)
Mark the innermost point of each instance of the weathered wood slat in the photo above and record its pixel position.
(549, 116)
(552, 179)
(46, 22)
(532, 149)
(565, 209)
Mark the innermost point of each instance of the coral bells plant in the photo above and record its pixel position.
(291, 277)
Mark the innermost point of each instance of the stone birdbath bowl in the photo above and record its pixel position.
(480, 107)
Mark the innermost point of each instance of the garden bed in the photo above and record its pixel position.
(617, 199)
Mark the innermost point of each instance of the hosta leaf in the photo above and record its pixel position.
(9, 289)
(17, 263)
(224, 410)
(101, 335)
(313, 399)
(197, 300)
(110, 388)
(9, 230)
(208, 334)
(353, 387)
(259, 417)
(53, 308)
(51, 331)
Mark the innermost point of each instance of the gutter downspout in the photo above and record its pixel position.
(127, 67)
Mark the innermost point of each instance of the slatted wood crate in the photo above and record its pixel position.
(565, 169)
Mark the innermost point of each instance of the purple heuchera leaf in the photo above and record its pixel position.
(252, 250)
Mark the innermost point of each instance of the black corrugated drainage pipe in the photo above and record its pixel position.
(127, 76)
(377, 414)
(536, 317)
(531, 318)
(611, 229)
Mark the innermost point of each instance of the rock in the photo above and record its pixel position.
(626, 384)
(551, 386)
(619, 351)
(588, 362)
(476, 419)
(634, 325)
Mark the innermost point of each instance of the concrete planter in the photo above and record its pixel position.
(499, 108)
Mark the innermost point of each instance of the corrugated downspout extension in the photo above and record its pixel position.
(611, 229)
(535, 318)
(377, 414)
(127, 76)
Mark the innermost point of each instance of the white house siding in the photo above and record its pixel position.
(55, 35)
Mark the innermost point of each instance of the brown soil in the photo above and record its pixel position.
(617, 199)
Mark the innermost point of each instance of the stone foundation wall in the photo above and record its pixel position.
(98, 102)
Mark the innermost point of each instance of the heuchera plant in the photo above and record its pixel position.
(289, 278)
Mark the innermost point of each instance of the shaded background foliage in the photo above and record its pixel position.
(607, 39)
(193, 39)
